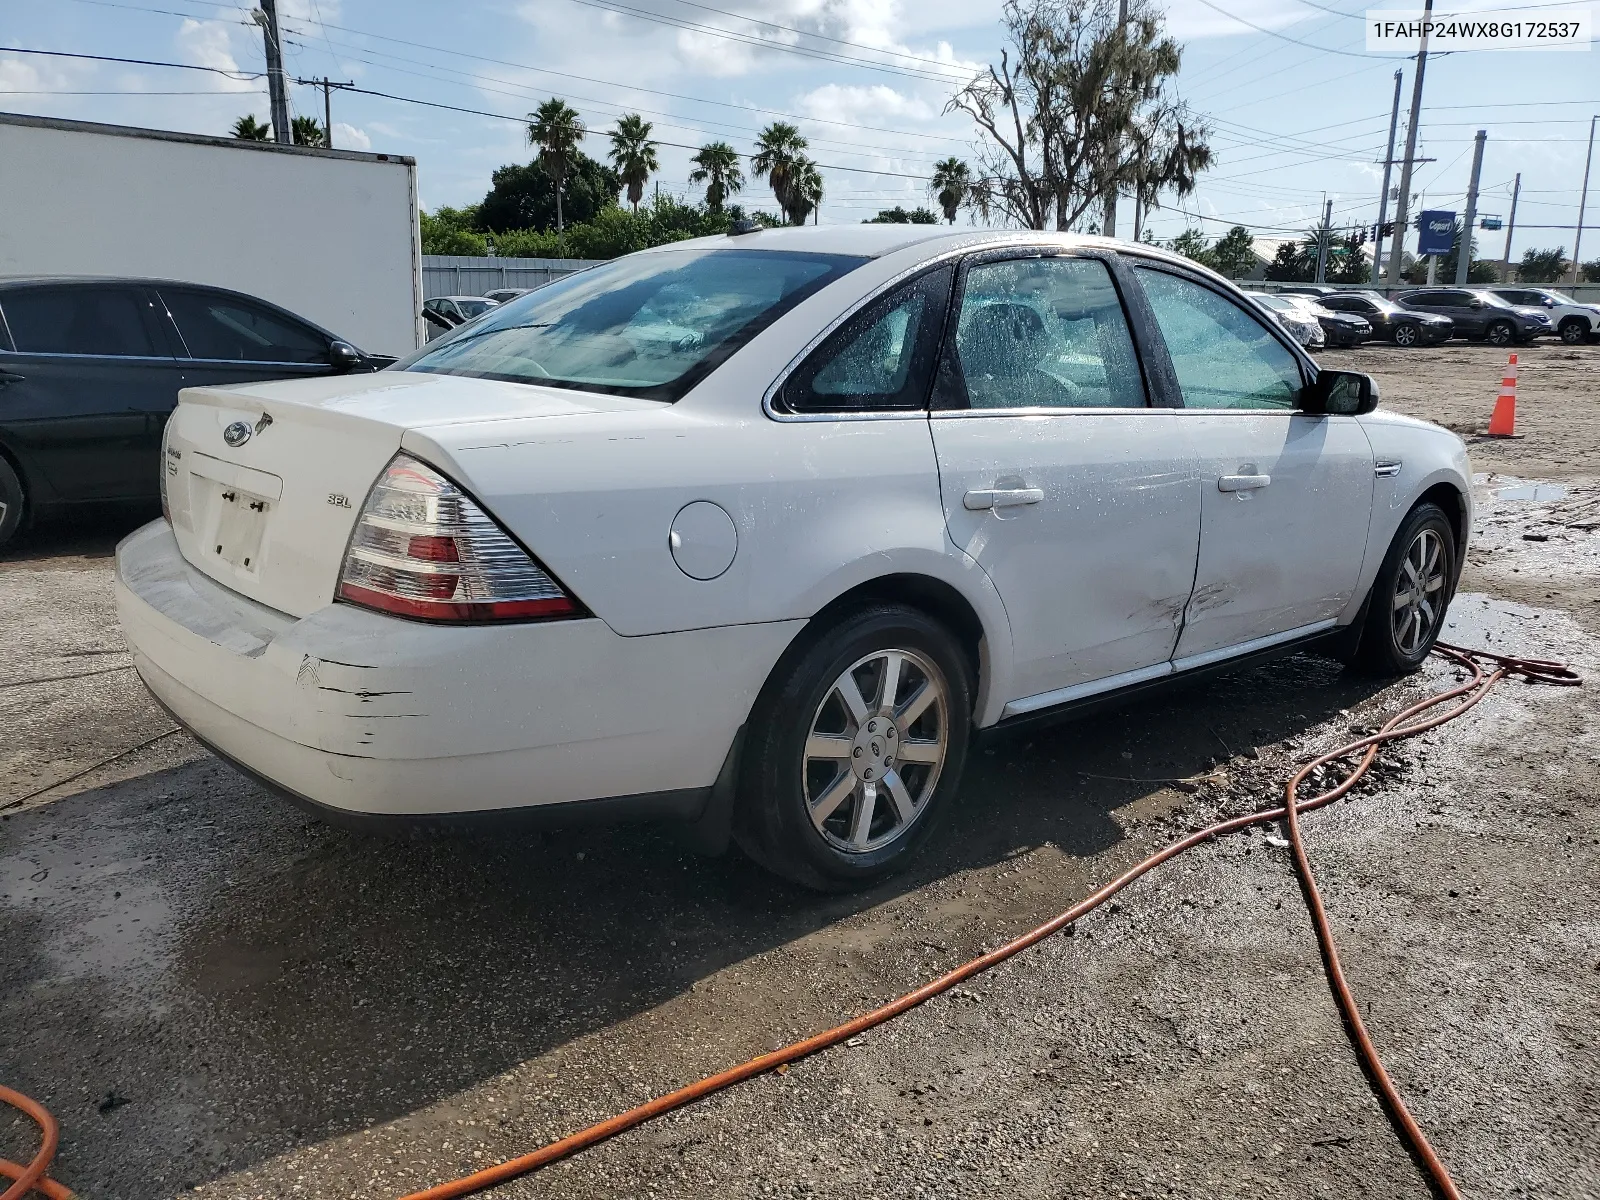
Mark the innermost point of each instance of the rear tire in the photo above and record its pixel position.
(1500, 333)
(1405, 336)
(1410, 596)
(1574, 332)
(841, 784)
(13, 503)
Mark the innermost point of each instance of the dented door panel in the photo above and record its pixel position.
(1095, 575)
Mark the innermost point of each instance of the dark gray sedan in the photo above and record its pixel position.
(90, 369)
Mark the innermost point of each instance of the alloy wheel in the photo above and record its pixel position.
(1405, 335)
(1419, 592)
(875, 748)
(1500, 334)
(1572, 333)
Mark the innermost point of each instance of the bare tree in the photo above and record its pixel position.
(1069, 107)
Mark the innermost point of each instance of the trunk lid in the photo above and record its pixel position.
(263, 482)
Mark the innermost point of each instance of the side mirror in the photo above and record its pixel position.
(345, 357)
(1549, 303)
(1340, 393)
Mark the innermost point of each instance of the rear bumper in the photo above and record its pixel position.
(366, 715)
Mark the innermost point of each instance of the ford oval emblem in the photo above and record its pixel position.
(237, 434)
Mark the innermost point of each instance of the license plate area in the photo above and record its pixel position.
(240, 526)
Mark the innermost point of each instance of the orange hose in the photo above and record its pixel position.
(1473, 691)
(31, 1178)
(1402, 725)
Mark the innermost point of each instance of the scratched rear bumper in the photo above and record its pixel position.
(369, 714)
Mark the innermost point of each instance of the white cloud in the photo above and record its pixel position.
(876, 104)
(29, 75)
(209, 44)
(348, 137)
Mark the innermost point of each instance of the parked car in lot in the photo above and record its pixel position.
(501, 295)
(1339, 329)
(1301, 325)
(1479, 314)
(1404, 327)
(444, 313)
(1574, 323)
(90, 369)
(760, 531)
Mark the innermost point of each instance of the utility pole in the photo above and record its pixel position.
(1383, 196)
(328, 87)
(1505, 259)
(1583, 201)
(277, 91)
(1108, 225)
(1464, 248)
(1322, 241)
(1402, 214)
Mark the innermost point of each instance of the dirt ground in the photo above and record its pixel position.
(217, 994)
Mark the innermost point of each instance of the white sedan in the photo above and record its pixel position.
(759, 531)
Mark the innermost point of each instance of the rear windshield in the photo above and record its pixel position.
(649, 325)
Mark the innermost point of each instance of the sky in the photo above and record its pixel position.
(1298, 107)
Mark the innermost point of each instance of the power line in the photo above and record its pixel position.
(1285, 37)
(241, 76)
(478, 112)
(326, 25)
(670, 120)
(615, 6)
(819, 36)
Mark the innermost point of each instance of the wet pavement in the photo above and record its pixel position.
(212, 990)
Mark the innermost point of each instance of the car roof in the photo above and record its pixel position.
(925, 241)
(463, 297)
(126, 280)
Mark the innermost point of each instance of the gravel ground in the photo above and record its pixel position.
(212, 991)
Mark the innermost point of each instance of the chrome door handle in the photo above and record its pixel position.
(1242, 483)
(9, 377)
(1387, 470)
(980, 499)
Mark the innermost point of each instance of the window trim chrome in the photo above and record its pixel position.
(946, 414)
(168, 360)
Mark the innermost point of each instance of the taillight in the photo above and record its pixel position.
(424, 548)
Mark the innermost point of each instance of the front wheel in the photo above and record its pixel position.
(1406, 609)
(1574, 332)
(1405, 336)
(11, 502)
(1500, 333)
(855, 748)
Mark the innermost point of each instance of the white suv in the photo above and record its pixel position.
(1574, 322)
(759, 531)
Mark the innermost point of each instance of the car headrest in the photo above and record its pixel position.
(1002, 339)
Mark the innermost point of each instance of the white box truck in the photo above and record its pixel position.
(329, 234)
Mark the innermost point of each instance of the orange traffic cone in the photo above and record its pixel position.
(1504, 421)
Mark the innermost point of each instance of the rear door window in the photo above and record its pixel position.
(100, 321)
(231, 329)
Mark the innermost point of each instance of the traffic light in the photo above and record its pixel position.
(1387, 230)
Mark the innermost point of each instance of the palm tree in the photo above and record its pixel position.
(306, 131)
(248, 129)
(951, 186)
(556, 129)
(717, 166)
(633, 154)
(778, 150)
(805, 190)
